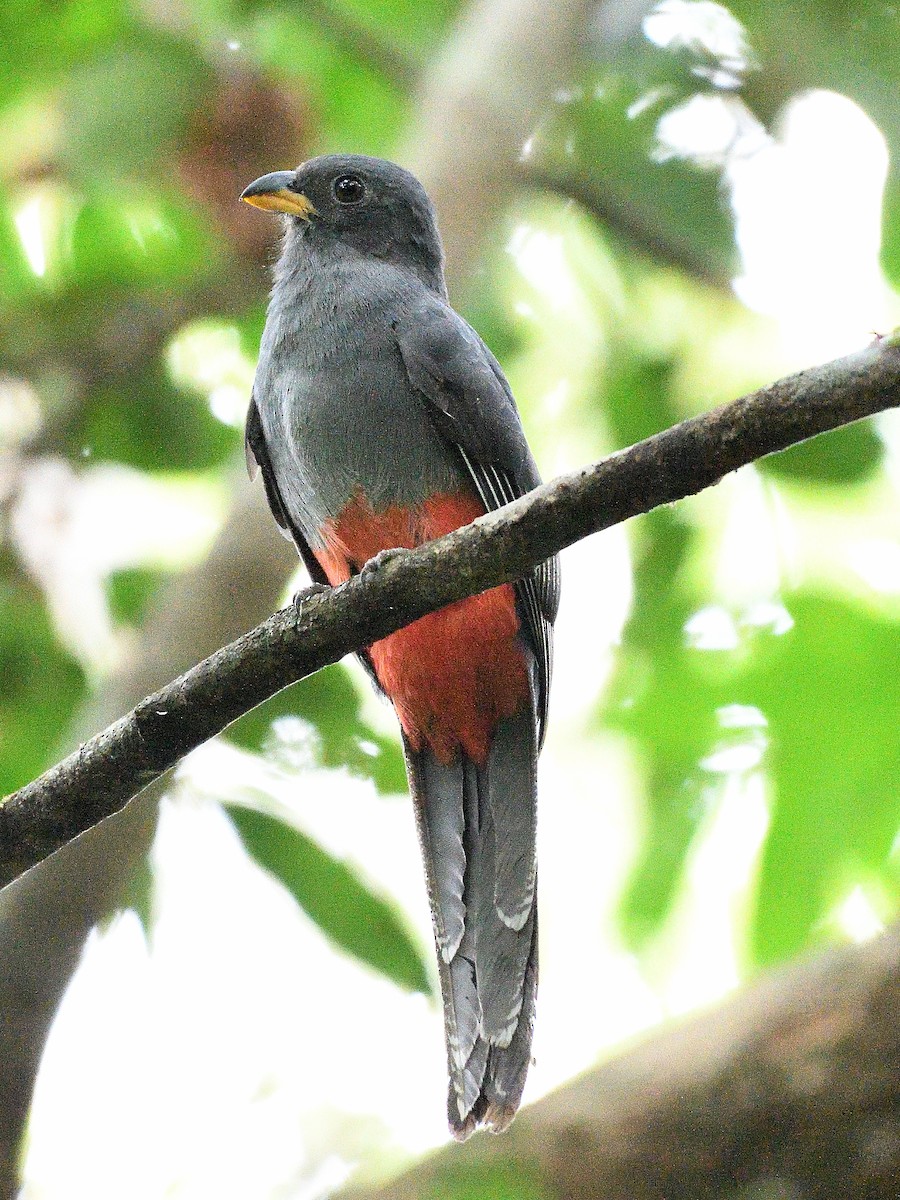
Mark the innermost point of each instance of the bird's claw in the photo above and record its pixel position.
(380, 560)
(312, 589)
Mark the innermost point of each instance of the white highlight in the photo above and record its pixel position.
(708, 130)
(20, 411)
(711, 908)
(711, 628)
(207, 356)
(30, 225)
(708, 30)
(733, 760)
(541, 258)
(741, 716)
(808, 224)
(877, 562)
(73, 528)
(857, 918)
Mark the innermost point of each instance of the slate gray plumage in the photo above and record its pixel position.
(369, 384)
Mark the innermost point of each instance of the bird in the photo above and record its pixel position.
(380, 420)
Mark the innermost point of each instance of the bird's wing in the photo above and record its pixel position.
(472, 407)
(257, 453)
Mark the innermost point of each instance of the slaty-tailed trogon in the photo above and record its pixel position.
(380, 419)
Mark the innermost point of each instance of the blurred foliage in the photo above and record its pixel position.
(832, 700)
(42, 684)
(842, 457)
(359, 921)
(130, 593)
(149, 423)
(480, 1181)
(664, 698)
(669, 206)
(330, 701)
(127, 131)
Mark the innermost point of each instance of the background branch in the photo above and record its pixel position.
(613, 212)
(107, 771)
(792, 1089)
(477, 106)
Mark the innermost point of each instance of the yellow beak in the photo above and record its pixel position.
(273, 192)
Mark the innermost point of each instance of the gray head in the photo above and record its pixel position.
(369, 206)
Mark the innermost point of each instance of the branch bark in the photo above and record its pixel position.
(790, 1091)
(107, 771)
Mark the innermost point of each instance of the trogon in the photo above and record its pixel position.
(380, 419)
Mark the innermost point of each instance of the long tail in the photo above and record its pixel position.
(477, 831)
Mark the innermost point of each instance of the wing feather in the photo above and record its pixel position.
(472, 407)
(257, 453)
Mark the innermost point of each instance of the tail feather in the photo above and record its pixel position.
(506, 1075)
(477, 827)
(441, 821)
(463, 1014)
(507, 781)
(466, 1085)
(501, 952)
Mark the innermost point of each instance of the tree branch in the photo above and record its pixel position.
(107, 771)
(790, 1089)
(395, 63)
(658, 244)
(480, 100)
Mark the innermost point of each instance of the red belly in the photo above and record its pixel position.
(453, 674)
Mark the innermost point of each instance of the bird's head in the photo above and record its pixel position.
(365, 204)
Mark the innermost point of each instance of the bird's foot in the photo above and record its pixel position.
(307, 593)
(381, 559)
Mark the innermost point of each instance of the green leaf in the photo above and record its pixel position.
(664, 696)
(844, 456)
(849, 48)
(130, 592)
(148, 422)
(17, 281)
(358, 107)
(360, 922)
(42, 683)
(409, 20)
(250, 329)
(674, 206)
(830, 689)
(40, 41)
(636, 397)
(672, 719)
(453, 1180)
(329, 701)
(140, 237)
(890, 226)
(126, 109)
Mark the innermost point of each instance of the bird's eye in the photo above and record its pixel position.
(348, 189)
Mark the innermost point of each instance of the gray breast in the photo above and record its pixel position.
(338, 411)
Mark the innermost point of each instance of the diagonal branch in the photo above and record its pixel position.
(653, 240)
(107, 771)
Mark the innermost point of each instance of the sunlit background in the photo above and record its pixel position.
(719, 785)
